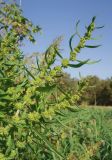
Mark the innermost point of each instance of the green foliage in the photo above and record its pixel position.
(99, 91)
(85, 134)
(30, 96)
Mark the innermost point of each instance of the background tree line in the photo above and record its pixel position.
(98, 92)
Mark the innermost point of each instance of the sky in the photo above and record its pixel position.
(58, 17)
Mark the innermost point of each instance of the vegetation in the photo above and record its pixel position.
(85, 134)
(98, 92)
(34, 107)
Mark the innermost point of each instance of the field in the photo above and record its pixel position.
(86, 134)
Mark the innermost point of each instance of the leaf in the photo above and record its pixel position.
(2, 115)
(77, 24)
(93, 62)
(47, 88)
(60, 113)
(62, 124)
(2, 92)
(9, 141)
(2, 73)
(11, 64)
(37, 63)
(23, 84)
(29, 73)
(5, 97)
(5, 79)
(63, 91)
(58, 54)
(99, 27)
(77, 28)
(46, 55)
(70, 41)
(89, 46)
(43, 138)
(79, 64)
(90, 62)
(93, 19)
(72, 109)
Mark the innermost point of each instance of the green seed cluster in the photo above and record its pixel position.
(82, 41)
(65, 63)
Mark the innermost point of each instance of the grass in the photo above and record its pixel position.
(84, 134)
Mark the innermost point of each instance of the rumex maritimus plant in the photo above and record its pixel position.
(30, 96)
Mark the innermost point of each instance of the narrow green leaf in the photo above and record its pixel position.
(5, 79)
(79, 64)
(90, 62)
(29, 73)
(70, 41)
(46, 53)
(11, 64)
(23, 84)
(93, 62)
(47, 88)
(62, 123)
(60, 113)
(37, 63)
(2, 115)
(2, 73)
(99, 27)
(77, 24)
(43, 138)
(89, 46)
(58, 54)
(77, 33)
(93, 19)
(5, 98)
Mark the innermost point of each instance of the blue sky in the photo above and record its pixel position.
(58, 17)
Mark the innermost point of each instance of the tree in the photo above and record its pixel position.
(99, 92)
(105, 93)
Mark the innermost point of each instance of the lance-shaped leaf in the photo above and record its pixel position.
(99, 27)
(77, 24)
(79, 64)
(90, 62)
(2, 93)
(1, 73)
(89, 46)
(47, 143)
(93, 19)
(48, 56)
(57, 52)
(93, 62)
(37, 63)
(5, 79)
(2, 115)
(5, 97)
(70, 41)
(29, 73)
(60, 113)
(47, 88)
(77, 32)
(11, 64)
